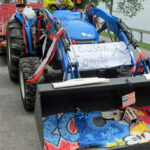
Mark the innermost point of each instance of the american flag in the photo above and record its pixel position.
(130, 115)
(128, 99)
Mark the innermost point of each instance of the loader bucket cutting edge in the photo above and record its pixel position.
(88, 97)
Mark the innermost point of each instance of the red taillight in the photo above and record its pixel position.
(73, 42)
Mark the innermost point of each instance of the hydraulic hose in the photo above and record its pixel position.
(127, 31)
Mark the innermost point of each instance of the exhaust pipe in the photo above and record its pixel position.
(21, 3)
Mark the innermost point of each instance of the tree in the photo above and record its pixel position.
(130, 7)
(109, 4)
(126, 7)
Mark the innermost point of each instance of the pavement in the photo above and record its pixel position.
(17, 126)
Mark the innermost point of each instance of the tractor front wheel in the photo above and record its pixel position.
(27, 68)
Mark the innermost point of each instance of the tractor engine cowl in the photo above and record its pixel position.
(77, 28)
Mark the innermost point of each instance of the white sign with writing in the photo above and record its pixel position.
(98, 56)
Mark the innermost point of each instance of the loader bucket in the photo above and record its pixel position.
(89, 97)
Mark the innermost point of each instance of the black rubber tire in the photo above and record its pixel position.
(15, 47)
(27, 68)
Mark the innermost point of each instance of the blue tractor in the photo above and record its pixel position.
(65, 48)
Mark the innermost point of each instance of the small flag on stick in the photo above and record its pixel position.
(128, 99)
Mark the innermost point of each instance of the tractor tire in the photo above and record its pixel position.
(27, 68)
(15, 47)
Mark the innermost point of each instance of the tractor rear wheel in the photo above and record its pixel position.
(27, 68)
(15, 47)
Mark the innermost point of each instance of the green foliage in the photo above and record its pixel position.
(130, 7)
(108, 3)
(126, 7)
(143, 45)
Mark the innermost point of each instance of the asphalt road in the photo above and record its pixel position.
(17, 126)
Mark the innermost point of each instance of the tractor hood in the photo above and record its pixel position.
(77, 28)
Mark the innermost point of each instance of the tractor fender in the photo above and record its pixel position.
(30, 22)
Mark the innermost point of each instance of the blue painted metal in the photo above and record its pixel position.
(112, 25)
(76, 26)
(69, 72)
(62, 55)
(123, 38)
(111, 20)
(19, 17)
(52, 20)
(144, 65)
(148, 58)
(67, 68)
(141, 65)
(28, 24)
(48, 13)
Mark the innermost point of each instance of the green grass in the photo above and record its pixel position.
(106, 34)
(143, 45)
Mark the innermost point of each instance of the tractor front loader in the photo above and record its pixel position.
(64, 64)
(91, 77)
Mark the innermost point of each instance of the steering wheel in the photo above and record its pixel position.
(59, 7)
